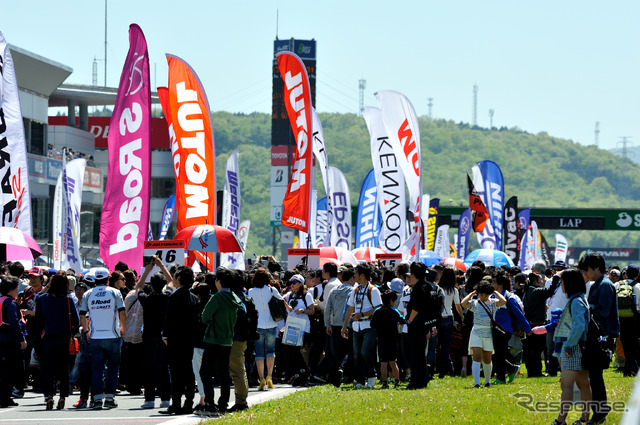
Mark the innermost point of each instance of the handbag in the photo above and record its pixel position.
(597, 350)
(495, 326)
(74, 344)
(294, 331)
(277, 308)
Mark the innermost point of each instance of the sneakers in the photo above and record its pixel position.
(109, 403)
(385, 385)
(171, 410)
(238, 407)
(96, 405)
(16, 393)
(487, 385)
(269, 382)
(149, 405)
(371, 382)
(165, 404)
(513, 375)
(476, 386)
(263, 384)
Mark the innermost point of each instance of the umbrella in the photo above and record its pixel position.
(429, 258)
(323, 261)
(490, 257)
(16, 245)
(208, 238)
(455, 262)
(367, 253)
(343, 255)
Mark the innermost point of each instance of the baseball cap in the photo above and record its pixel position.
(560, 265)
(36, 271)
(296, 278)
(632, 266)
(96, 274)
(396, 285)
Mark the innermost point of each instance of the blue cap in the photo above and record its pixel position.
(556, 313)
(396, 285)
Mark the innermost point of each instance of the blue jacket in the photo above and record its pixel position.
(574, 323)
(603, 303)
(511, 310)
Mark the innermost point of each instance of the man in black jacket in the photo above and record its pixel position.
(179, 334)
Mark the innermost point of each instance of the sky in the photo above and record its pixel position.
(542, 66)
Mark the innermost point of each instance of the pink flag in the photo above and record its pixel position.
(125, 212)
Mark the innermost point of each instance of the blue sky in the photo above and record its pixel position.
(546, 65)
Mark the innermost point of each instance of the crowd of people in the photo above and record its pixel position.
(363, 325)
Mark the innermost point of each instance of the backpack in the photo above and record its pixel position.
(626, 299)
(252, 318)
(435, 304)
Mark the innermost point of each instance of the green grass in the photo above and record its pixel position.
(445, 401)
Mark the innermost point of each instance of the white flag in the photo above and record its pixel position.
(561, 248)
(341, 230)
(231, 208)
(390, 180)
(303, 236)
(442, 241)
(401, 123)
(15, 196)
(66, 216)
(321, 156)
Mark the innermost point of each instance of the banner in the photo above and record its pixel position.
(304, 237)
(424, 217)
(493, 198)
(390, 184)
(125, 212)
(368, 221)
(321, 222)
(167, 217)
(523, 217)
(15, 196)
(66, 216)
(479, 214)
(401, 123)
(323, 163)
(546, 252)
(432, 224)
(243, 233)
(231, 210)
(442, 241)
(340, 197)
(193, 151)
(511, 228)
(464, 231)
(486, 237)
(561, 248)
(297, 99)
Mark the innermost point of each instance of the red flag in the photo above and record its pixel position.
(297, 99)
(479, 213)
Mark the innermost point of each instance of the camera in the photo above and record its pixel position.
(147, 259)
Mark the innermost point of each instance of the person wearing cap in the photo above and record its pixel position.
(364, 299)
(337, 347)
(27, 303)
(615, 277)
(301, 306)
(105, 306)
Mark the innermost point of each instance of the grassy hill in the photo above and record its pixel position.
(541, 170)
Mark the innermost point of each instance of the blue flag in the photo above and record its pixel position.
(369, 215)
(524, 217)
(167, 217)
(494, 197)
(464, 231)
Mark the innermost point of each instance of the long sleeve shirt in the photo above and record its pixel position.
(603, 304)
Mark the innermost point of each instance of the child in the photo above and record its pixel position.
(385, 320)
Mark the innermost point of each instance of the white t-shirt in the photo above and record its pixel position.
(558, 300)
(103, 304)
(332, 284)
(359, 300)
(261, 297)
(450, 298)
(402, 306)
(481, 319)
(297, 303)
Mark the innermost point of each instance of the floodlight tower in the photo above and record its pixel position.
(475, 105)
(362, 84)
(430, 104)
(491, 112)
(597, 133)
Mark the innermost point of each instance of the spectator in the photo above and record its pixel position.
(385, 321)
(447, 282)
(333, 320)
(12, 340)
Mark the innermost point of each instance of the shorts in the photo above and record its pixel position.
(388, 350)
(476, 340)
(265, 346)
(573, 362)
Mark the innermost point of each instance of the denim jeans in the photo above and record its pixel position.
(364, 354)
(265, 346)
(445, 329)
(104, 351)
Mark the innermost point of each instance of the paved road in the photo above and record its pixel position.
(32, 410)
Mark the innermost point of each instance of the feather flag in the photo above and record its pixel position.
(479, 213)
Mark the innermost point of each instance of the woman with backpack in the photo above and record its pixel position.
(265, 346)
(571, 332)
